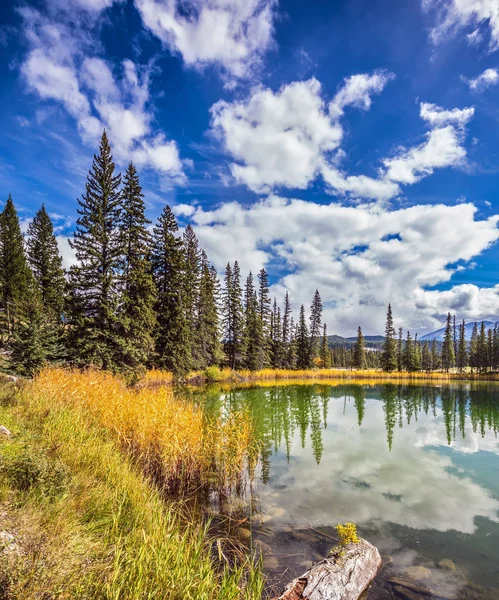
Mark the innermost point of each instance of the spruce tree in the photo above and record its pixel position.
(482, 349)
(207, 323)
(315, 326)
(46, 264)
(137, 318)
(253, 325)
(192, 275)
(448, 357)
(264, 313)
(15, 275)
(302, 342)
(325, 352)
(461, 352)
(435, 356)
(94, 332)
(400, 351)
(171, 334)
(473, 353)
(389, 352)
(417, 354)
(234, 330)
(359, 353)
(426, 363)
(409, 353)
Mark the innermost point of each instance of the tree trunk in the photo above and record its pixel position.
(342, 576)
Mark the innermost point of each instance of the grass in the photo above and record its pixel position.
(76, 491)
(217, 375)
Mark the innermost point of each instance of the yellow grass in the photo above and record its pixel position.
(214, 374)
(168, 436)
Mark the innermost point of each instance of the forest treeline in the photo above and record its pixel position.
(140, 297)
(137, 298)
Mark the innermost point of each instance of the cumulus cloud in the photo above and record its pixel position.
(60, 66)
(453, 16)
(360, 257)
(233, 34)
(290, 137)
(486, 79)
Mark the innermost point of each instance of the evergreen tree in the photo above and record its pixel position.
(253, 325)
(292, 347)
(409, 353)
(315, 326)
(171, 334)
(29, 342)
(400, 351)
(436, 361)
(94, 334)
(207, 324)
(235, 339)
(417, 354)
(46, 264)
(474, 358)
(15, 275)
(389, 352)
(461, 352)
(482, 348)
(192, 275)
(264, 313)
(325, 352)
(359, 354)
(302, 342)
(426, 362)
(137, 310)
(448, 357)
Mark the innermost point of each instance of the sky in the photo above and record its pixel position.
(346, 146)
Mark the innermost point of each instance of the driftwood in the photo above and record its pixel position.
(343, 576)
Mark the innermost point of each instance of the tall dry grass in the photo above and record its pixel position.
(169, 437)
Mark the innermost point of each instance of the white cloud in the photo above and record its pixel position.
(67, 253)
(357, 90)
(233, 34)
(359, 257)
(455, 15)
(484, 80)
(289, 138)
(60, 66)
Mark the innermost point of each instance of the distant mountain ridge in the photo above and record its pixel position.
(371, 341)
(468, 329)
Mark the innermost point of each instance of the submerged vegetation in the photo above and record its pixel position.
(79, 489)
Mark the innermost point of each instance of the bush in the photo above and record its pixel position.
(212, 374)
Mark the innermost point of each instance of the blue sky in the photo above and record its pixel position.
(346, 146)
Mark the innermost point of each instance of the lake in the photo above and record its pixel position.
(416, 467)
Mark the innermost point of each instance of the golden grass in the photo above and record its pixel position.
(169, 437)
(88, 523)
(242, 377)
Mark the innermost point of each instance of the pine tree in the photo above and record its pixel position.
(137, 318)
(409, 353)
(435, 356)
(253, 325)
(264, 313)
(359, 353)
(417, 354)
(192, 275)
(315, 326)
(325, 352)
(15, 275)
(94, 335)
(302, 342)
(461, 353)
(207, 324)
(46, 264)
(482, 349)
(473, 353)
(171, 335)
(292, 348)
(426, 362)
(389, 352)
(287, 332)
(29, 341)
(234, 330)
(448, 357)
(400, 351)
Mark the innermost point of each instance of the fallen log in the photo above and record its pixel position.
(344, 575)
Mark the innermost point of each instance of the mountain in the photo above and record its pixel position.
(371, 341)
(439, 333)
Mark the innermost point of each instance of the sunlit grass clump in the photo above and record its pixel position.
(86, 521)
(171, 439)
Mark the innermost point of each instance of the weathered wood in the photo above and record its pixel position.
(340, 577)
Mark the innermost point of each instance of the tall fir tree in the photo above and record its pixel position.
(138, 292)
(389, 351)
(359, 353)
(462, 357)
(172, 337)
(482, 348)
(207, 323)
(94, 333)
(46, 264)
(302, 342)
(436, 359)
(315, 326)
(192, 275)
(448, 357)
(264, 307)
(16, 279)
(253, 324)
(409, 353)
(325, 352)
(234, 330)
(473, 350)
(400, 350)
(426, 362)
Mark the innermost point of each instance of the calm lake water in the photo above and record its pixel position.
(416, 467)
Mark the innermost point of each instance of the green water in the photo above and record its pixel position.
(416, 467)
